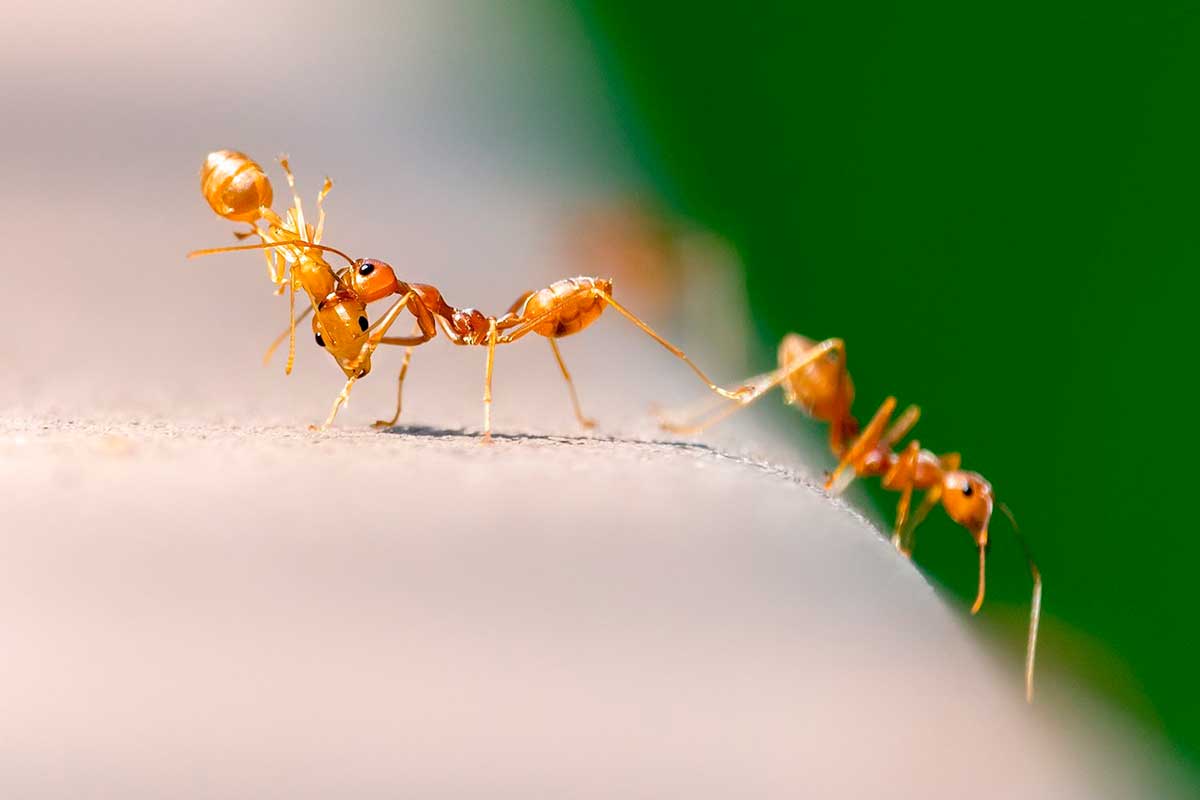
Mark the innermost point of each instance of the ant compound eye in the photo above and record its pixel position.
(362, 323)
(366, 269)
(968, 489)
(320, 341)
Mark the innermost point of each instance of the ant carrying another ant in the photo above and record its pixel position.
(237, 189)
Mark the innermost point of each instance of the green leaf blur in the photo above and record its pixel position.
(995, 206)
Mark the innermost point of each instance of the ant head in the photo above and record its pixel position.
(340, 326)
(968, 499)
(370, 279)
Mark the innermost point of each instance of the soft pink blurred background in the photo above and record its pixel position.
(200, 599)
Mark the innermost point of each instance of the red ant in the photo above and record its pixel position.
(814, 377)
(563, 308)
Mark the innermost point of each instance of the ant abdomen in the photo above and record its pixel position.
(568, 305)
(235, 186)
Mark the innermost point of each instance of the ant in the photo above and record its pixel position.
(815, 378)
(967, 498)
(564, 307)
(238, 189)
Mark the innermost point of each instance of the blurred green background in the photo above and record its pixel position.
(994, 206)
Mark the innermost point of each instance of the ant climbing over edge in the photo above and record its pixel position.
(815, 378)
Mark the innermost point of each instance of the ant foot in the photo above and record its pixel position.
(900, 548)
(383, 423)
(660, 416)
(742, 393)
(665, 423)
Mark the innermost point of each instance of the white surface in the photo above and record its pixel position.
(206, 611)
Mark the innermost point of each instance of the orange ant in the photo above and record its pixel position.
(814, 377)
(238, 189)
(563, 308)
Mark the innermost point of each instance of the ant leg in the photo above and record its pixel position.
(519, 303)
(903, 474)
(709, 410)
(738, 394)
(381, 423)
(297, 206)
(279, 339)
(520, 328)
(274, 271)
(378, 331)
(277, 268)
(843, 423)
(866, 440)
(903, 424)
(321, 195)
(291, 359)
(585, 423)
(487, 383)
(908, 537)
(758, 386)
(901, 516)
(342, 398)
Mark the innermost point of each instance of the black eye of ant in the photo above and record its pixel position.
(366, 269)
(320, 341)
(967, 489)
(362, 323)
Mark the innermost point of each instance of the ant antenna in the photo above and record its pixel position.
(1035, 606)
(281, 337)
(300, 243)
(982, 579)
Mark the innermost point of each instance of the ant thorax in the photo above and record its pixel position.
(470, 324)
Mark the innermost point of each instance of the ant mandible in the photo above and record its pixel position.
(814, 378)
